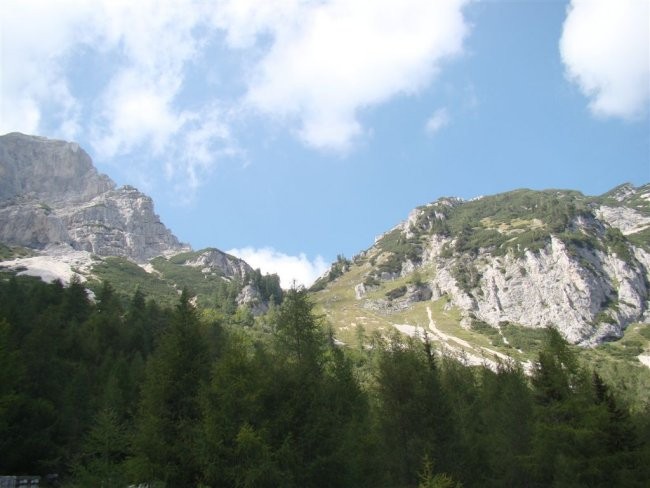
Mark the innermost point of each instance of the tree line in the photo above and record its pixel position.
(110, 393)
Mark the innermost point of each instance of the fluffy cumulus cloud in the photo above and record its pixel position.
(33, 35)
(118, 76)
(323, 62)
(605, 47)
(125, 98)
(438, 120)
(299, 268)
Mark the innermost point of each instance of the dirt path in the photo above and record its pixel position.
(466, 352)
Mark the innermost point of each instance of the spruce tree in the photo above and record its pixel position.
(165, 442)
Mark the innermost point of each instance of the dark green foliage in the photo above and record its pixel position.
(370, 281)
(486, 329)
(399, 249)
(641, 239)
(299, 333)
(395, 293)
(466, 274)
(11, 252)
(172, 274)
(294, 417)
(616, 242)
(430, 480)
(103, 452)
(132, 277)
(268, 286)
(414, 415)
(115, 394)
(65, 359)
(473, 223)
(340, 266)
(396, 249)
(168, 419)
(581, 436)
(523, 338)
(397, 243)
(226, 296)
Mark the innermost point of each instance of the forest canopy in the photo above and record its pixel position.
(112, 392)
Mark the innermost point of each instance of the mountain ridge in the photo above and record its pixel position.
(53, 195)
(60, 218)
(531, 258)
(525, 257)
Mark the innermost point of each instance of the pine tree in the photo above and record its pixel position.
(299, 332)
(165, 443)
(101, 461)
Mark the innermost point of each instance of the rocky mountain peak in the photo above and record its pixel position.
(529, 258)
(48, 170)
(51, 194)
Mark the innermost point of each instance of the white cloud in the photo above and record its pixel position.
(605, 47)
(113, 73)
(156, 42)
(205, 141)
(33, 38)
(438, 120)
(135, 113)
(328, 60)
(145, 47)
(299, 268)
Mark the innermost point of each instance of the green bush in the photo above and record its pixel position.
(523, 338)
(396, 293)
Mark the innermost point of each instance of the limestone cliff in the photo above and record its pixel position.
(77, 223)
(51, 194)
(535, 259)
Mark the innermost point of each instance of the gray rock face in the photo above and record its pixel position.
(590, 289)
(48, 170)
(213, 259)
(251, 297)
(50, 193)
(589, 296)
(627, 220)
(31, 224)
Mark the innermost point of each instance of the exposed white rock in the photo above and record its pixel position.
(56, 263)
(644, 359)
(49, 170)
(252, 298)
(360, 291)
(625, 219)
(589, 295)
(50, 193)
(552, 287)
(215, 260)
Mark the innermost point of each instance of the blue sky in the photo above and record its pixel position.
(291, 131)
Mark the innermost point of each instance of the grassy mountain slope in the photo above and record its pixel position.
(456, 269)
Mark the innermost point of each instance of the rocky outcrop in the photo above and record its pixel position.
(53, 201)
(32, 224)
(586, 302)
(51, 194)
(211, 260)
(627, 220)
(570, 268)
(252, 298)
(587, 294)
(120, 222)
(56, 172)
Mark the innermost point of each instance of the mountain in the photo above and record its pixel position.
(51, 194)
(59, 218)
(501, 267)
